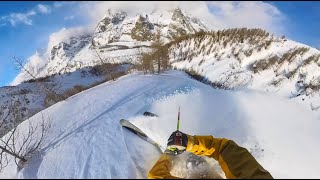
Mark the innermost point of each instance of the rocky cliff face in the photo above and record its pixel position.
(62, 53)
(118, 26)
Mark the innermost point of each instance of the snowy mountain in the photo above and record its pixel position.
(273, 87)
(117, 26)
(265, 97)
(87, 141)
(227, 59)
(118, 38)
(251, 58)
(62, 53)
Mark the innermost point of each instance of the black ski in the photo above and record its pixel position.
(131, 127)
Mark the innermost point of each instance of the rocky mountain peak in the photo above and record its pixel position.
(113, 17)
(118, 26)
(116, 30)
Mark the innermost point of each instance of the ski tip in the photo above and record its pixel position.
(124, 121)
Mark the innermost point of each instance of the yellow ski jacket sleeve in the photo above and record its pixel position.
(235, 161)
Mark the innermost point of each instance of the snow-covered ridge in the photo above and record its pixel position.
(117, 38)
(251, 58)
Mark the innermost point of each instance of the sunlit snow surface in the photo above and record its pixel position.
(87, 141)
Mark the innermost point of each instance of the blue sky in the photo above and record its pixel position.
(26, 26)
(302, 22)
(21, 39)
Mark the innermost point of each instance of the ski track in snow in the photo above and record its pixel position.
(87, 141)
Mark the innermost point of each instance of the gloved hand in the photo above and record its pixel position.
(177, 143)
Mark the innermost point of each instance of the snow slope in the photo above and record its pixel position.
(86, 140)
(18, 103)
(263, 62)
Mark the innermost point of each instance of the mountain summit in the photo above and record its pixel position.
(117, 35)
(118, 26)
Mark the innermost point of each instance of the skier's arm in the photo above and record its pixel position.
(235, 161)
(161, 170)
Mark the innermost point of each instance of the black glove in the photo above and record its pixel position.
(177, 143)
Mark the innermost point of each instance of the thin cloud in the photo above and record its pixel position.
(14, 19)
(44, 9)
(64, 34)
(61, 4)
(249, 14)
(69, 17)
(58, 4)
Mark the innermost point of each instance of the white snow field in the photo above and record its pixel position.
(87, 141)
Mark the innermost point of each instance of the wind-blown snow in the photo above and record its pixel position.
(86, 140)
